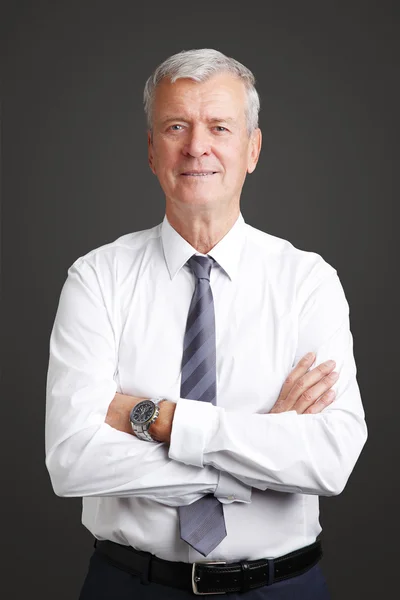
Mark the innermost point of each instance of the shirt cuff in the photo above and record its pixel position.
(193, 425)
(230, 489)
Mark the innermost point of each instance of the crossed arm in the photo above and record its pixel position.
(304, 391)
(308, 443)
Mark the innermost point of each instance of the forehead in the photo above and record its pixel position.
(222, 95)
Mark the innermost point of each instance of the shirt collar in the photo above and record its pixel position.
(177, 250)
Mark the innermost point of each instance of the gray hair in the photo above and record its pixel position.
(200, 65)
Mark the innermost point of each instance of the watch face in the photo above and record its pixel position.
(142, 412)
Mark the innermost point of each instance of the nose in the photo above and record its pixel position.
(197, 142)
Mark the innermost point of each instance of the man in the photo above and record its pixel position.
(182, 402)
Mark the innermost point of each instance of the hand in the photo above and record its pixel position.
(307, 392)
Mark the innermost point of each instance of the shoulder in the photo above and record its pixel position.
(280, 257)
(121, 252)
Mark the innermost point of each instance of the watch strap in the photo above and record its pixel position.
(144, 435)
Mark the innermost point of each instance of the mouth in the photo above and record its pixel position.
(198, 173)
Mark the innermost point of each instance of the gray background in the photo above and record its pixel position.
(75, 176)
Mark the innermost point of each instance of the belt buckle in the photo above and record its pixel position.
(195, 579)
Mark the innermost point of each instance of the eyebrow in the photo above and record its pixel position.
(211, 120)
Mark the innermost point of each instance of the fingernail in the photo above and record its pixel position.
(309, 355)
(330, 363)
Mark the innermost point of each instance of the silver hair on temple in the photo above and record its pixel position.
(200, 65)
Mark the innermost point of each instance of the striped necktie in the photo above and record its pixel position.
(202, 524)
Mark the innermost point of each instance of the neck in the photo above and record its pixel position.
(202, 230)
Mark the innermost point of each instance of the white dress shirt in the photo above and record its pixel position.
(120, 326)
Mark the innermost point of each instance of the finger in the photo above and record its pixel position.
(318, 406)
(311, 394)
(303, 386)
(300, 369)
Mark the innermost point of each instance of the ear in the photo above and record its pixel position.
(150, 151)
(254, 150)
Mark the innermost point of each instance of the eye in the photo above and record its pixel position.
(174, 127)
(220, 128)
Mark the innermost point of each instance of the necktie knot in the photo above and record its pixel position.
(201, 266)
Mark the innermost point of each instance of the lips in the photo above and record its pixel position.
(198, 173)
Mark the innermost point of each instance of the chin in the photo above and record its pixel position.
(197, 200)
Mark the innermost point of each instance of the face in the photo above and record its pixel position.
(200, 149)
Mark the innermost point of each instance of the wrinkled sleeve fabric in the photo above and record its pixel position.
(310, 454)
(84, 455)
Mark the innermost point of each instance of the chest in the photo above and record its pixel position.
(256, 339)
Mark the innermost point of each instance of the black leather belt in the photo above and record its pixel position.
(210, 577)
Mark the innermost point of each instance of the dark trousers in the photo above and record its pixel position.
(107, 582)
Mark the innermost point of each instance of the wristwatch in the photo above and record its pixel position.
(142, 416)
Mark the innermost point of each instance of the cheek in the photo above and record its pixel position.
(235, 160)
(169, 152)
(164, 161)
